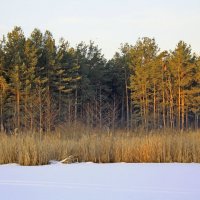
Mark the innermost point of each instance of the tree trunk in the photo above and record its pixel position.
(154, 106)
(1, 110)
(127, 99)
(171, 109)
(183, 113)
(113, 115)
(179, 99)
(163, 101)
(40, 111)
(100, 108)
(147, 110)
(186, 119)
(144, 110)
(76, 106)
(122, 111)
(127, 107)
(31, 117)
(179, 108)
(59, 104)
(131, 116)
(49, 111)
(18, 108)
(26, 111)
(69, 111)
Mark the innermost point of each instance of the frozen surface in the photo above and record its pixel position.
(88, 181)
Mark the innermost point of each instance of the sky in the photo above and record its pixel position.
(109, 23)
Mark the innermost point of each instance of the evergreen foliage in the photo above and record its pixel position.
(44, 86)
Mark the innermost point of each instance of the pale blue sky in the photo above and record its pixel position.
(108, 22)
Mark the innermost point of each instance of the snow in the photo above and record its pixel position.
(89, 181)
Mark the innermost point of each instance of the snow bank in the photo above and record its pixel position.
(88, 181)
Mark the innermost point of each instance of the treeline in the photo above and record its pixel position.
(44, 86)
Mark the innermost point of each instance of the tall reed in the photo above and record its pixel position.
(31, 149)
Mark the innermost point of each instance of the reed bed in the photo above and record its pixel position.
(36, 149)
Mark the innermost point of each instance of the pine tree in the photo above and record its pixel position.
(114, 82)
(40, 80)
(193, 93)
(92, 67)
(3, 86)
(29, 83)
(122, 62)
(49, 53)
(181, 68)
(14, 56)
(143, 55)
(67, 80)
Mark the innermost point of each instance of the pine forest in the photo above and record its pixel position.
(44, 86)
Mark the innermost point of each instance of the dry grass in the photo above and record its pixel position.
(31, 149)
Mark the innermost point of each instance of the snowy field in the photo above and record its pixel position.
(88, 181)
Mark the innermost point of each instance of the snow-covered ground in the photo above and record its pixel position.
(88, 181)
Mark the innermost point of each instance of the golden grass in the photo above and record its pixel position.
(31, 149)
